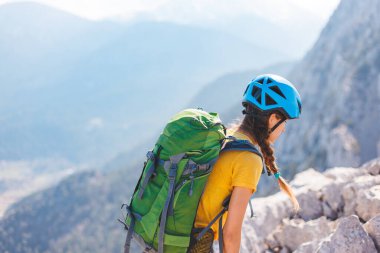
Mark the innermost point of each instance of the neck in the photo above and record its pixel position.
(240, 130)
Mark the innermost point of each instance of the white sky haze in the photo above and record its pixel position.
(185, 11)
(300, 20)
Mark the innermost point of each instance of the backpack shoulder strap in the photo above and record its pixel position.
(232, 143)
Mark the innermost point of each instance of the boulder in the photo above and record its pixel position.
(310, 178)
(310, 203)
(270, 211)
(373, 229)
(373, 166)
(343, 174)
(308, 247)
(349, 236)
(292, 233)
(368, 203)
(332, 200)
(331, 205)
(351, 191)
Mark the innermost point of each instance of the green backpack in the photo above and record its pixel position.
(163, 207)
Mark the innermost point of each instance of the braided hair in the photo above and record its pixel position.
(255, 124)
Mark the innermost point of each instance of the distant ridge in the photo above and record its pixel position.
(81, 88)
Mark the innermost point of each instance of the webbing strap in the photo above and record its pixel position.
(243, 145)
(146, 180)
(191, 166)
(150, 155)
(127, 245)
(221, 235)
(250, 206)
(172, 175)
(210, 224)
(171, 209)
(275, 126)
(225, 204)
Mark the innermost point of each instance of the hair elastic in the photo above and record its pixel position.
(277, 175)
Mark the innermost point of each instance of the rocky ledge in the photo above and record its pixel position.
(340, 213)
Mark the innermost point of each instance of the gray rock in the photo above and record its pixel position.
(310, 203)
(373, 166)
(308, 247)
(293, 233)
(250, 242)
(373, 229)
(284, 250)
(270, 241)
(337, 193)
(349, 236)
(310, 178)
(332, 200)
(270, 212)
(328, 212)
(343, 174)
(351, 191)
(368, 203)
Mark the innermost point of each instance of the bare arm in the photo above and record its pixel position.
(236, 210)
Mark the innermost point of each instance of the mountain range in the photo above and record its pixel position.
(79, 89)
(339, 84)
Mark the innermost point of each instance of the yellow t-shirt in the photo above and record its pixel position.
(233, 168)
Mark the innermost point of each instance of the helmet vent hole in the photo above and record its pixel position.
(278, 91)
(269, 81)
(245, 92)
(256, 93)
(269, 100)
(261, 81)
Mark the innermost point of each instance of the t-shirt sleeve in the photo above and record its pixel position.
(247, 168)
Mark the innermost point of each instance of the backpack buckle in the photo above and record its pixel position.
(150, 155)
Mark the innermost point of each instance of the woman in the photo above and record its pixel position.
(269, 101)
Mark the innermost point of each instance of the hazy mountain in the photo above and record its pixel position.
(253, 28)
(39, 49)
(23, 177)
(339, 85)
(226, 91)
(79, 89)
(286, 26)
(39, 41)
(78, 215)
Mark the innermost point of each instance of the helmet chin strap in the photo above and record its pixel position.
(275, 126)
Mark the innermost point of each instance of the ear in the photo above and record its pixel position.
(272, 120)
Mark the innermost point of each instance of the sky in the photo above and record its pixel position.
(196, 11)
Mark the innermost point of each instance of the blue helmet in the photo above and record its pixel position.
(273, 93)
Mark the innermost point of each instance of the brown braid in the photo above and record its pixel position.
(255, 124)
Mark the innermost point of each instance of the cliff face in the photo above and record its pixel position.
(340, 212)
(339, 80)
